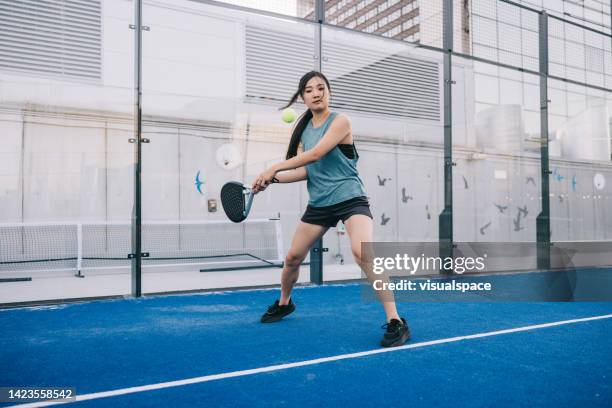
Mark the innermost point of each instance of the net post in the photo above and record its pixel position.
(316, 262)
(280, 251)
(79, 264)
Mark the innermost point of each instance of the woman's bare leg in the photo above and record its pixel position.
(304, 237)
(360, 229)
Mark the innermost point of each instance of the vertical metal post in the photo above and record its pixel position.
(445, 219)
(316, 262)
(316, 251)
(318, 47)
(136, 211)
(543, 219)
(22, 169)
(79, 265)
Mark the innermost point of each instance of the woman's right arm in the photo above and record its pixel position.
(291, 176)
(288, 176)
(294, 175)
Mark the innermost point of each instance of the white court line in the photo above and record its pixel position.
(213, 377)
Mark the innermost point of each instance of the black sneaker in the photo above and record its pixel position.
(397, 333)
(277, 312)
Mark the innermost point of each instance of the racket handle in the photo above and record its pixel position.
(275, 180)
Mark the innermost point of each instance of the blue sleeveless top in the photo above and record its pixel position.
(333, 178)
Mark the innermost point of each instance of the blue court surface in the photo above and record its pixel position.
(209, 350)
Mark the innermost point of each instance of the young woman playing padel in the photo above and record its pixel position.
(322, 151)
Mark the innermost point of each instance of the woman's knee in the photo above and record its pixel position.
(293, 259)
(357, 255)
(362, 254)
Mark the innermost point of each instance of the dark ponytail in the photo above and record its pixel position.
(302, 122)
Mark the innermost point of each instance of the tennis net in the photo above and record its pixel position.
(107, 245)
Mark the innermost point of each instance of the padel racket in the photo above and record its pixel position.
(237, 199)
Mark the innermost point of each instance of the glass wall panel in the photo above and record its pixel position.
(496, 128)
(579, 132)
(66, 165)
(214, 79)
(392, 93)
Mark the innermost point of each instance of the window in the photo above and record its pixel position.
(409, 7)
(394, 31)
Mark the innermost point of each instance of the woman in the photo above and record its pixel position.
(321, 151)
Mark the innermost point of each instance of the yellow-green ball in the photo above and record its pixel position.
(288, 115)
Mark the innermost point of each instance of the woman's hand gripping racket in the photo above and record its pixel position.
(237, 199)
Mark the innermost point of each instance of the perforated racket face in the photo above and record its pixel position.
(233, 201)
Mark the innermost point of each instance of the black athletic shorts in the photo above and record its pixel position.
(329, 216)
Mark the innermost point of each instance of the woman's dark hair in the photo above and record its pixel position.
(306, 116)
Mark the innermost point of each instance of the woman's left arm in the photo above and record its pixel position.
(337, 131)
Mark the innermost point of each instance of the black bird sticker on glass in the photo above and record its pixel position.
(405, 197)
(500, 207)
(517, 223)
(484, 227)
(382, 181)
